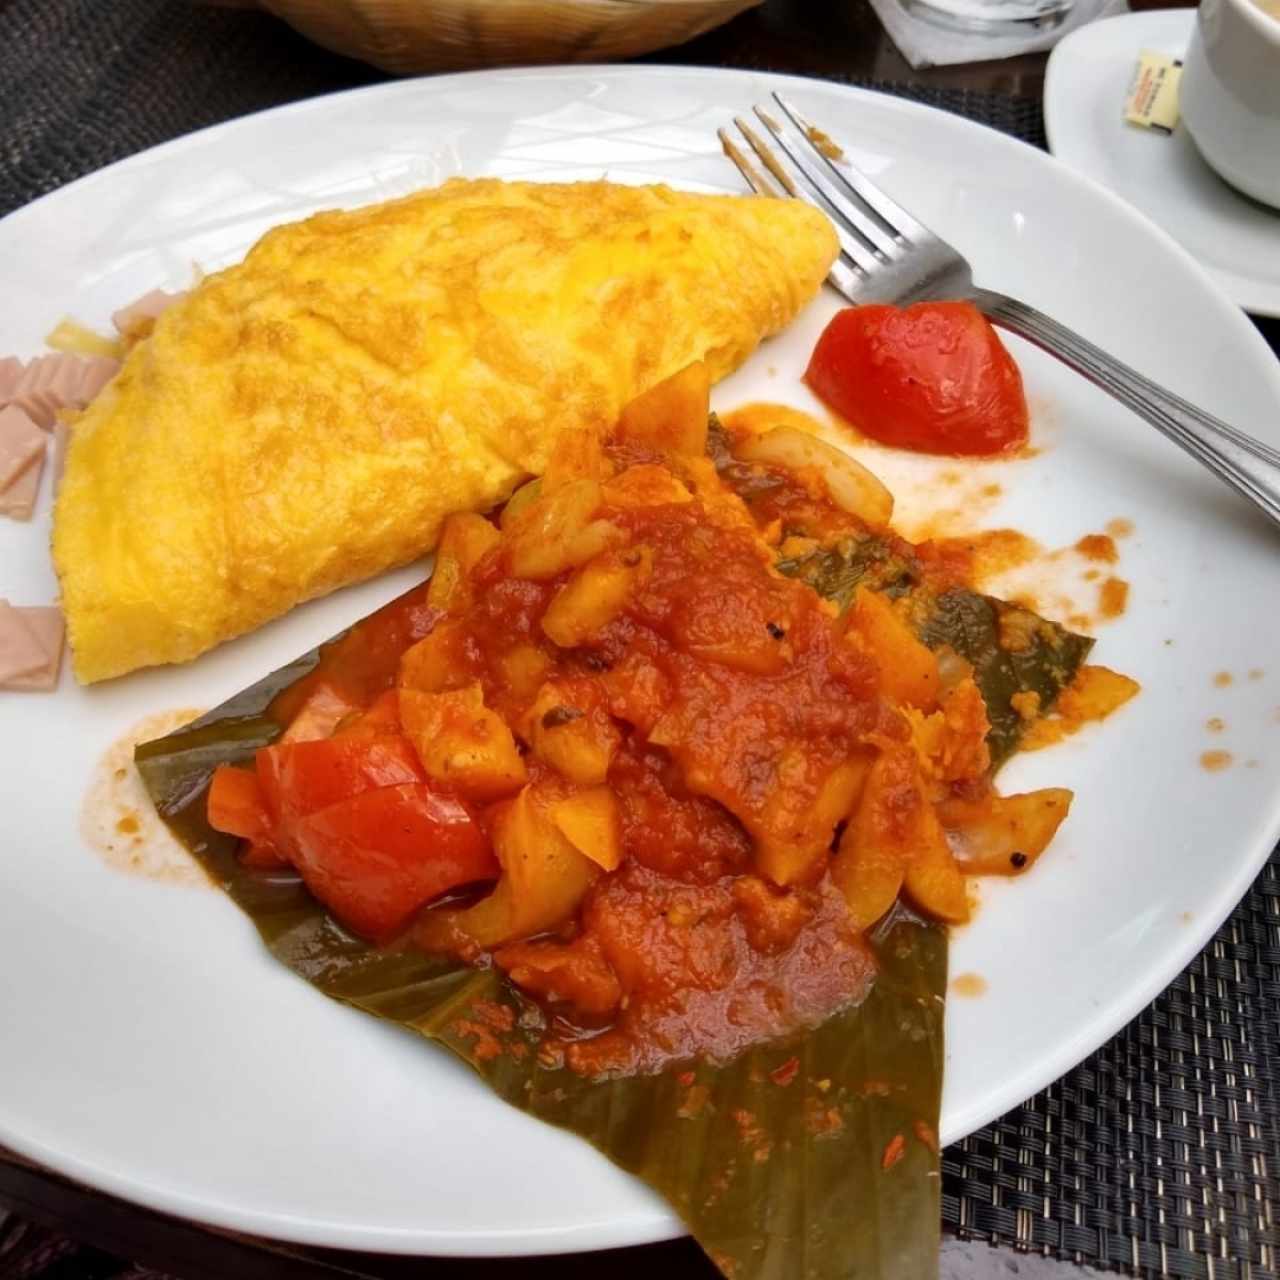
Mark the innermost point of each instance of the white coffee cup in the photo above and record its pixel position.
(1229, 96)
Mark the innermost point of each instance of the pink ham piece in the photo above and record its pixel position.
(18, 501)
(21, 444)
(31, 644)
(61, 381)
(143, 313)
(96, 372)
(10, 371)
(21, 653)
(45, 387)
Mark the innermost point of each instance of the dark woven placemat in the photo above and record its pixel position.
(1161, 1153)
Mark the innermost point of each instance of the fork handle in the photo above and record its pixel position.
(1247, 465)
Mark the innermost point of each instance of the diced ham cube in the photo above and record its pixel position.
(10, 371)
(139, 316)
(95, 373)
(21, 652)
(61, 381)
(18, 501)
(36, 393)
(31, 644)
(21, 443)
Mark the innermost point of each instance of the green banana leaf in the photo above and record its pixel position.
(1048, 661)
(867, 561)
(810, 1158)
(971, 624)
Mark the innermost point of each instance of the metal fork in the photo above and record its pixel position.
(886, 255)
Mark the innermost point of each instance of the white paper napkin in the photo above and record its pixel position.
(925, 44)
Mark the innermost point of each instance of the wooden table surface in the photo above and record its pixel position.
(804, 36)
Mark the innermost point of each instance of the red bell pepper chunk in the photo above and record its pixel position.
(238, 807)
(299, 778)
(236, 804)
(374, 859)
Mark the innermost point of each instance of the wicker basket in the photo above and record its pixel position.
(408, 36)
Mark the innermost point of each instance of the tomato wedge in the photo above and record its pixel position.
(299, 778)
(236, 804)
(376, 858)
(933, 377)
(238, 807)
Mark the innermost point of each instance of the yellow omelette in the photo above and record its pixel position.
(307, 418)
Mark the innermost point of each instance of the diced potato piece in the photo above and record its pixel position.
(595, 595)
(462, 743)
(797, 855)
(1003, 835)
(895, 840)
(557, 531)
(574, 973)
(1095, 693)
(667, 731)
(438, 661)
(578, 742)
(908, 669)
(771, 918)
(927, 734)
(519, 501)
(870, 877)
(465, 540)
(788, 862)
(851, 486)
(523, 669)
(871, 861)
(934, 882)
(72, 337)
(645, 485)
(671, 417)
(589, 821)
(745, 630)
(543, 879)
(637, 691)
(963, 752)
(840, 793)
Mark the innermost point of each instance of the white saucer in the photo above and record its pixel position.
(1235, 239)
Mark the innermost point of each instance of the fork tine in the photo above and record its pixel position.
(896, 218)
(755, 179)
(870, 230)
(861, 254)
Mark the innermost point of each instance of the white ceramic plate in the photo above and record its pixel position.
(150, 1045)
(1234, 238)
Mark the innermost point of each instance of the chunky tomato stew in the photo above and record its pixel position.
(612, 750)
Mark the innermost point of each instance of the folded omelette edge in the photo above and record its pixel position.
(307, 418)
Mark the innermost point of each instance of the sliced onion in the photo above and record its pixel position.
(851, 485)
